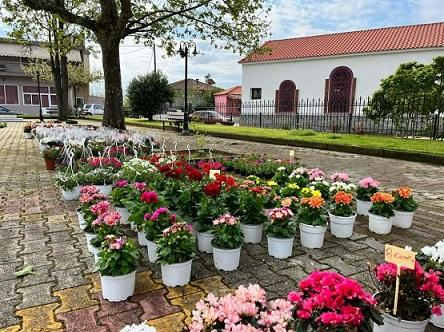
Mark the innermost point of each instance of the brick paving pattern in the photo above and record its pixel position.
(38, 228)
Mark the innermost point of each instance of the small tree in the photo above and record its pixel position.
(147, 93)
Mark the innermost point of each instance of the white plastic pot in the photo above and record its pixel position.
(362, 207)
(438, 321)
(82, 222)
(178, 274)
(124, 215)
(119, 288)
(226, 259)
(89, 237)
(204, 241)
(28, 135)
(379, 224)
(393, 324)
(280, 248)
(105, 189)
(342, 227)
(252, 232)
(71, 195)
(403, 219)
(312, 236)
(141, 238)
(133, 226)
(152, 250)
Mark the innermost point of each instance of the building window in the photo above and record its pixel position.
(47, 95)
(79, 101)
(9, 95)
(256, 93)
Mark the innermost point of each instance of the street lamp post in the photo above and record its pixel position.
(40, 98)
(184, 50)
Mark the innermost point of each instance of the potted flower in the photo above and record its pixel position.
(121, 190)
(252, 215)
(117, 267)
(50, 153)
(175, 251)
(27, 130)
(89, 195)
(92, 221)
(366, 188)
(209, 209)
(380, 215)
(247, 309)
(432, 257)
(419, 297)
(280, 229)
(153, 227)
(227, 243)
(328, 301)
(341, 215)
(312, 222)
(68, 185)
(404, 207)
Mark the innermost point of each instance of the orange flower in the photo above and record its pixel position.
(404, 192)
(286, 202)
(315, 202)
(382, 197)
(342, 197)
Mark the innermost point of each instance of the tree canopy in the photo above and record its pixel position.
(146, 94)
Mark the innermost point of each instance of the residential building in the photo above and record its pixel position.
(18, 90)
(228, 101)
(335, 68)
(196, 89)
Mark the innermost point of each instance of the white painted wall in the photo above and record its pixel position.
(309, 74)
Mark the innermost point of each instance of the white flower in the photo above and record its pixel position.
(428, 251)
(282, 168)
(143, 327)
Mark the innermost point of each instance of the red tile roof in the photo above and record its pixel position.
(365, 41)
(235, 90)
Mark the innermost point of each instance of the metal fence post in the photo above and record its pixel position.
(435, 126)
(260, 119)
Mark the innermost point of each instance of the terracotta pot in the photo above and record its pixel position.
(50, 164)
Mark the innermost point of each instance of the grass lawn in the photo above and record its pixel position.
(307, 136)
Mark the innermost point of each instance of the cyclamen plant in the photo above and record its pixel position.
(328, 301)
(227, 232)
(404, 200)
(382, 204)
(118, 256)
(156, 222)
(342, 204)
(366, 188)
(311, 211)
(177, 244)
(420, 294)
(245, 310)
(432, 257)
(280, 223)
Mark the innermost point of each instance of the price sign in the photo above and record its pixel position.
(291, 153)
(213, 173)
(401, 258)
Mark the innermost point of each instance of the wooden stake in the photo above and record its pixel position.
(395, 306)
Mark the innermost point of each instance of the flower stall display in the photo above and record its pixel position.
(252, 204)
(153, 228)
(404, 207)
(120, 192)
(328, 301)
(89, 195)
(312, 221)
(67, 182)
(380, 215)
(366, 188)
(280, 229)
(420, 296)
(432, 257)
(227, 242)
(117, 267)
(245, 310)
(176, 249)
(341, 215)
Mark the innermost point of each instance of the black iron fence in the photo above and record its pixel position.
(414, 117)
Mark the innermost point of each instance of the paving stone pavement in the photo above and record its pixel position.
(37, 227)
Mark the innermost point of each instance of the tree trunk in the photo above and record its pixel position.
(113, 116)
(63, 108)
(55, 67)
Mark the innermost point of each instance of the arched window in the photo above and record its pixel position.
(287, 96)
(340, 88)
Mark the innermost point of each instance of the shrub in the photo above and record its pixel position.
(303, 132)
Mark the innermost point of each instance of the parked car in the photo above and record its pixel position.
(92, 109)
(209, 117)
(6, 111)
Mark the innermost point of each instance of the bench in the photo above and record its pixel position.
(174, 119)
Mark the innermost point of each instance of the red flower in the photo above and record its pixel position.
(194, 174)
(149, 197)
(212, 189)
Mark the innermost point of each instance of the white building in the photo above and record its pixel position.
(335, 68)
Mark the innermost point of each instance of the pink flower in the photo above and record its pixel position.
(100, 208)
(139, 185)
(89, 190)
(115, 243)
(121, 183)
(226, 219)
(111, 218)
(316, 174)
(436, 310)
(149, 197)
(368, 182)
(339, 176)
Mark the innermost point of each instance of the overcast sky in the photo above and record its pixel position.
(289, 18)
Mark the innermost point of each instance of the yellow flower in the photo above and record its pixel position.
(292, 186)
(316, 193)
(272, 183)
(306, 191)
